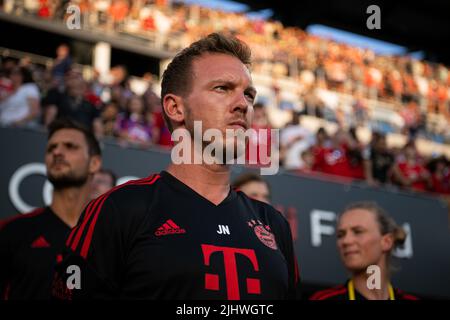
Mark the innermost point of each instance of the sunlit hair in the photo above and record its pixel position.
(177, 78)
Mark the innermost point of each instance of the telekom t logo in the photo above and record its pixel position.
(231, 274)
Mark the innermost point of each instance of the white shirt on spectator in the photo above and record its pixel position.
(293, 158)
(102, 5)
(16, 107)
(163, 23)
(422, 85)
(32, 5)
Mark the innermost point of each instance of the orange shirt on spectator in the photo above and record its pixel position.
(118, 10)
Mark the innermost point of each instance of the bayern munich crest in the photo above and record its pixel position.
(263, 233)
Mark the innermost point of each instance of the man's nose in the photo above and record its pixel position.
(241, 103)
(347, 240)
(57, 151)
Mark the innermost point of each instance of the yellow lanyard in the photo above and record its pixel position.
(351, 291)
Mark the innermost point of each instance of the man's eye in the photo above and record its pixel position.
(221, 88)
(250, 96)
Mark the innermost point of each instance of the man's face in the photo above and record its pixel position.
(62, 51)
(380, 145)
(16, 76)
(308, 158)
(321, 137)
(360, 241)
(257, 190)
(410, 153)
(77, 88)
(136, 105)
(339, 138)
(71, 77)
(67, 159)
(221, 96)
(110, 112)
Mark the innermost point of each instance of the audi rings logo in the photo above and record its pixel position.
(31, 169)
(16, 180)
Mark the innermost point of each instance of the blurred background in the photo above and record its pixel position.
(364, 113)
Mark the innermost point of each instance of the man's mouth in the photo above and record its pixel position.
(59, 164)
(238, 124)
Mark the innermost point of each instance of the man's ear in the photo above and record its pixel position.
(95, 163)
(174, 107)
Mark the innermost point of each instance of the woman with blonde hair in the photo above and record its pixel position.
(366, 236)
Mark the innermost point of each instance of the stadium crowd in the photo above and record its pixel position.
(33, 95)
(417, 89)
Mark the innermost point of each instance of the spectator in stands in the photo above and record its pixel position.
(133, 126)
(7, 65)
(260, 141)
(378, 161)
(160, 133)
(412, 117)
(60, 9)
(119, 95)
(412, 172)
(6, 86)
(44, 80)
(308, 159)
(294, 140)
(321, 141)
(101, 12)
(440, 175)
(334, 160)
(22, 106)
(119, 75)
(109, 119)
(354, 154)
(360, 110)
(321, 63)
(163, 24)
(102, 182)
(44, 9)
(62, 63)
(118, 11)
(322, 70)
(366, 236)
(253, 186)
(55, 93)
(118, 86)
(313, 106)
(72, 104)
